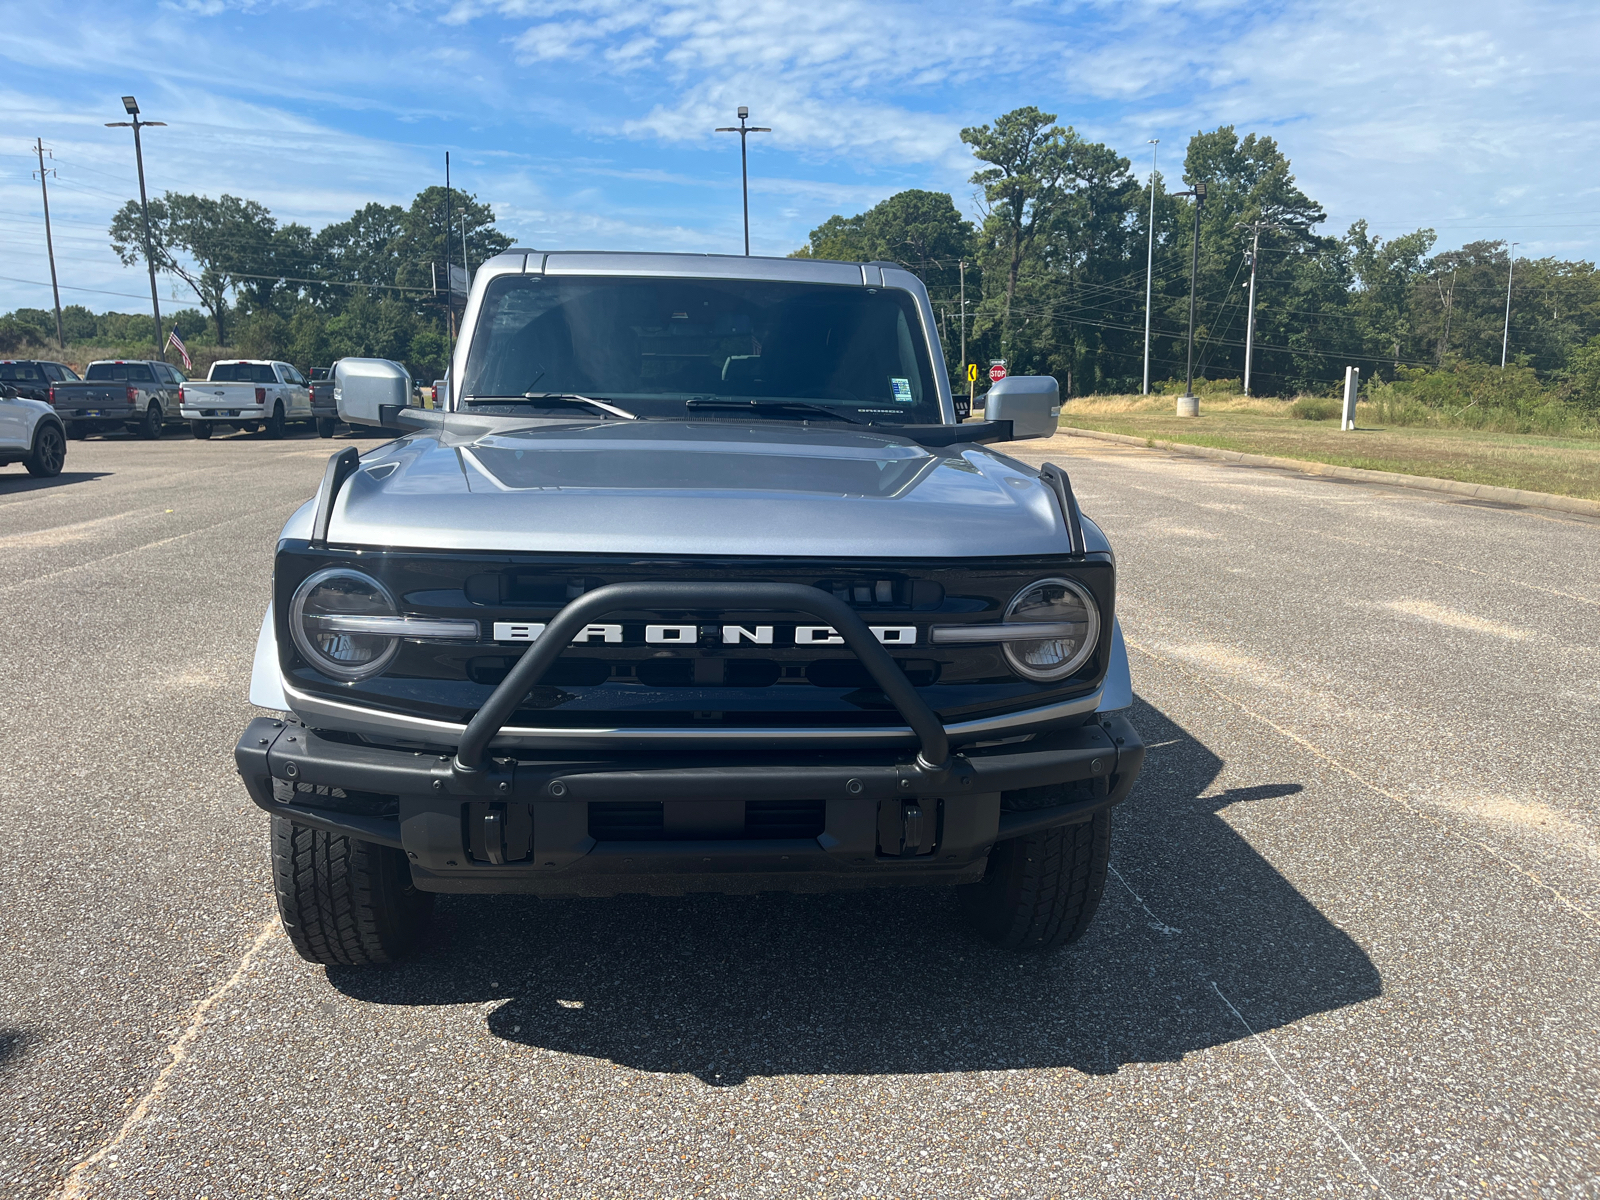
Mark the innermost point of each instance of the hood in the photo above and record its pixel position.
(687, 488)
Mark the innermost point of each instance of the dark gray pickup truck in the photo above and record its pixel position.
(139, 395)
(697, 585)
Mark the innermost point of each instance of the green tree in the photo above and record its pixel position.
(1029, 171)
(919, 230)
(212, 245)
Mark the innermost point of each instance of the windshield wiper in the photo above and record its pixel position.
(557, 398)
(765, 406)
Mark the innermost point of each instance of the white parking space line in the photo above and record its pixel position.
(94, 562)
(1301, 1092)
(72, 1187)
(1161, 927)
(1574, 906)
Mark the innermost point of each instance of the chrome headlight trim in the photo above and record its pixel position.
(1091, 635)
(307, 648)
(1020, 631)
(421, 629)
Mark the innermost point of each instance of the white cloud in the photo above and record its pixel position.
(592, 122)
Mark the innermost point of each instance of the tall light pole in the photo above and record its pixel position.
(1189, 403)
(1505, 338)
(49, 245)
(1150, 265)
(963, 315)
(744, 131)
(132, 106)
(1255, 228)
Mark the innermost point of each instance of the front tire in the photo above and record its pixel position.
(200, 429)
(274, 425)
(345, 902)
(1041, 890)
(150, 428)
(49, 452)
(326, 426)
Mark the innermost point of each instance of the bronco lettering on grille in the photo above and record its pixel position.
(687, 635)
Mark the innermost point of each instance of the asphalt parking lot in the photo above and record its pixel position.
(1349, 948)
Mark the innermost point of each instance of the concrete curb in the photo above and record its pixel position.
(1452, 487)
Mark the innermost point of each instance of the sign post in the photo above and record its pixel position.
(972, 384)
(1352, 385)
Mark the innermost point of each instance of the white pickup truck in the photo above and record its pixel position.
(248, 394)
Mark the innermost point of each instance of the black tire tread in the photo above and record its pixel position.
(36, 462)
(344, 902)
(1042, 890)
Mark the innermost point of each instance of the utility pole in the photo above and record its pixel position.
(49, 245)
(964, 329)
(1189, 403)
(1255, 228)
(1449, 303)
(132, 107)
(1150, 265)
(744, 131)
(449, 284)
(1505, 339)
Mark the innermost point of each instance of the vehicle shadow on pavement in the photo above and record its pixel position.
(890, 982)
(11, 485)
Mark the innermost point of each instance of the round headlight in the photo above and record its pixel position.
(325, 621)
(1070, 611)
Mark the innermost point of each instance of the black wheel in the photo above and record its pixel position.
(326, 426)
(344, 902)
(49, 451)
(77, 430)
(201, 429)
(1041, 891)
(274, 425)
(150, 428)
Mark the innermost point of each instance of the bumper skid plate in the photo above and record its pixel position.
(731, 823)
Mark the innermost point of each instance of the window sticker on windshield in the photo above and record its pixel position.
(901, 389)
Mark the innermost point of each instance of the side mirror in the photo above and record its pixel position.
(7, 392)
(1032, 403)
(364, 387)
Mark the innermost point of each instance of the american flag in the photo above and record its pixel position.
(176, 343)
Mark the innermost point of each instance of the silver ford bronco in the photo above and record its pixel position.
(698, 584)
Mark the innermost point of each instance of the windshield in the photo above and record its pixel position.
(242, 373)
(654, 344)
(21, 373)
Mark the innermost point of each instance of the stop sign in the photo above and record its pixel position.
(997, 372)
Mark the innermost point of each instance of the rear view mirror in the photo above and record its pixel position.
(1032, 403)
(364, 387)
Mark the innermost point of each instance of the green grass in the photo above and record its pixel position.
(1566, 466)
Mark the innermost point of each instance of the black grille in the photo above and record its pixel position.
(317, 795)
(645, 821)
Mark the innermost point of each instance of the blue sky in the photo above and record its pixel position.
(589, 125)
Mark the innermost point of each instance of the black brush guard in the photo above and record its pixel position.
(934, 756)
(438, 802)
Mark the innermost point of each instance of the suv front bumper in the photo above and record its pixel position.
(520, 825)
